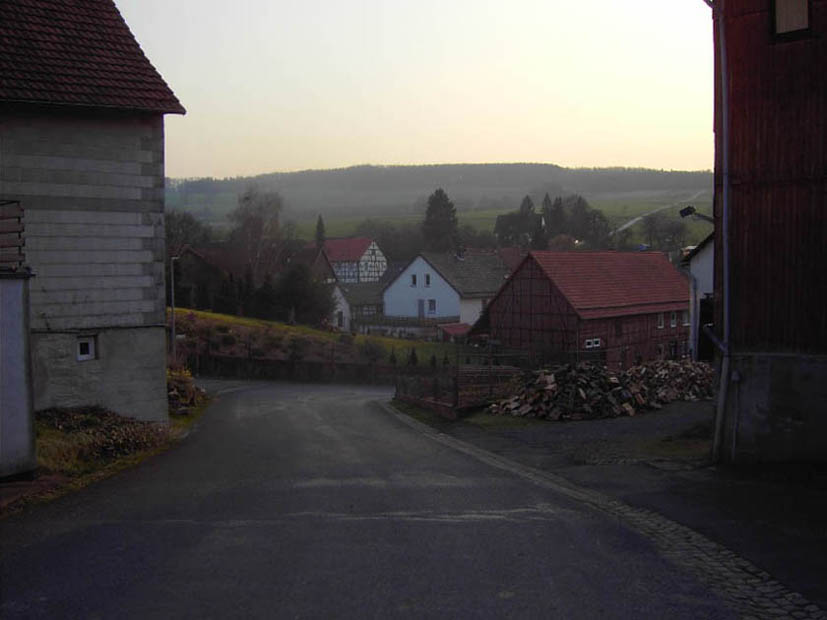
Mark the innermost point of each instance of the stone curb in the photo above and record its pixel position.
(750, 591)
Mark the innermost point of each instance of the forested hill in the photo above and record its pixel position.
(373, 190)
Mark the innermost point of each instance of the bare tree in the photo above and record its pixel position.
(256, 233)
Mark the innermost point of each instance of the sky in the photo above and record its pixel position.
(284, 85)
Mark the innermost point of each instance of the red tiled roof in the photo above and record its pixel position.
(346, 249)
(455, 329)
(79, 53)
(604, 284)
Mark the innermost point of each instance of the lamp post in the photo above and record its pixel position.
(172, 302)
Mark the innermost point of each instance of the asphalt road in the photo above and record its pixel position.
(296, 501)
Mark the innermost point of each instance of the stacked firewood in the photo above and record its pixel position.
(182, 393)
(586, 390)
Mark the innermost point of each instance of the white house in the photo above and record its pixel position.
(357, 259)
(700, 263)
(447, 287)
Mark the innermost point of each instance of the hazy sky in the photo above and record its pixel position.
(276, 85)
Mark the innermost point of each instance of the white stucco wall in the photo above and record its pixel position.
(343, 307)
(702, 268)
(402, 299)
(470, 310)
(702, 283)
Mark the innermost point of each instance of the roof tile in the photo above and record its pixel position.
(78, 52)
(602, 284)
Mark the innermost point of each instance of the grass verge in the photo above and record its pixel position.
(77, 447)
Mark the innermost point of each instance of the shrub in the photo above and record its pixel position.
(372, 350)
(228, 340)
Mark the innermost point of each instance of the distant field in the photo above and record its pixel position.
(617, 209)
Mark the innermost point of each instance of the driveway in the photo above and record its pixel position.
(315, 501)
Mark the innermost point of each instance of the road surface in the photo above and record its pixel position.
(298, 501)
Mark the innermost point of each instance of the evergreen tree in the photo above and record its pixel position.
(555, 216)
(320, 234)
(440, 228)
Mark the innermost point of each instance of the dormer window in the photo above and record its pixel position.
(791, 16)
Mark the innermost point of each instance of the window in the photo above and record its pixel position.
(427, 279)
(413, 279)
(685, 317)
(791, 16)
(592, 343)
(432, 306)
(660, 320)
(588, 343)
(673, 319)
(86, 349)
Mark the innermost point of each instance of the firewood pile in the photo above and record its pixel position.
(588, 391)
(182, 394)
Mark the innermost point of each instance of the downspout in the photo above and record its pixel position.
(723, 388)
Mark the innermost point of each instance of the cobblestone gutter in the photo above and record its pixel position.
(750, 591)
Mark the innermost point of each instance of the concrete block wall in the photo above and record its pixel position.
(127, 374)
(776, 409)
(91, 184)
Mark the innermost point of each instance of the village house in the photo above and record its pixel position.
(356, 259)
(617, 307)
(771, 228)
(445, 288)
(82, 150)
(212, 277)
(699, 266)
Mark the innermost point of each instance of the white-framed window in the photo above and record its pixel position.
(592, 343)
(791, 16)
(660, 320)
(86, 348)
(685, 317)
(588, 343)
(673, 319)
(413, 279)
(427, 279)
(432, 306)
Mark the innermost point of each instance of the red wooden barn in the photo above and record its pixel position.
(619, 306)
(771, 227)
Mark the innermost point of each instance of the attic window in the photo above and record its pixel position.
(413, 279)
(86, 348)
(791, 16)
(427, 279)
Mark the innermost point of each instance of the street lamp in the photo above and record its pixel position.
(172, 302)
(690, 210)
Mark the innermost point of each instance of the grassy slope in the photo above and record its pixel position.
(424, 350)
